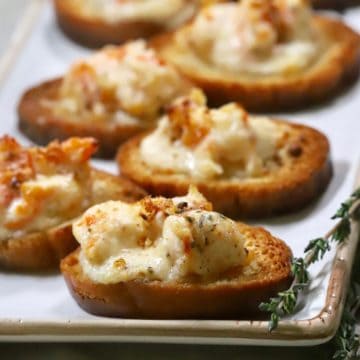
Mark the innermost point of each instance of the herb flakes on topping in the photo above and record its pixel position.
(201, 221)
(182, 205)
(189, 219)
(143, 216)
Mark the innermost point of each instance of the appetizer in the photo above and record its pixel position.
(267, 55)
(112, 95)
(172, 258)
(96, 23)
(247, 166)
(42, 191)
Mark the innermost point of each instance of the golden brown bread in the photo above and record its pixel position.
(43, 250)
(41, 125)
(267, 273)
(335, 68)
(287, 189)
(334, 4)
(94, 32)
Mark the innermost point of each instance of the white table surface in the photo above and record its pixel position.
(10, 12)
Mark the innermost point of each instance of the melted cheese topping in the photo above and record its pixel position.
(121, 84)
(213, 143)
(258, 37)
(42, 187)
(166, 12)
(158, 239)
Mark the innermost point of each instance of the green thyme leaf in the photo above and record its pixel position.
(342, 231)
(317, 249)
(298, 269)
(274, 321)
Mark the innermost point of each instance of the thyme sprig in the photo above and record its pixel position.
(285, 302)
(346, 341)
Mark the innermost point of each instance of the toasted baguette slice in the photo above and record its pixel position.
(44, 250)
(41, 125)
(334, 4)
(288, 189)
(238, 296)
(96, 32)
(336, 67)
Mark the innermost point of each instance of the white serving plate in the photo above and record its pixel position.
(39, 307)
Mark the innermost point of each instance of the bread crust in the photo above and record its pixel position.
(237, 297)
(329, 75)
(41, 125)
(95, 33)
(43, 250)
(288, 189)
(334, 4)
